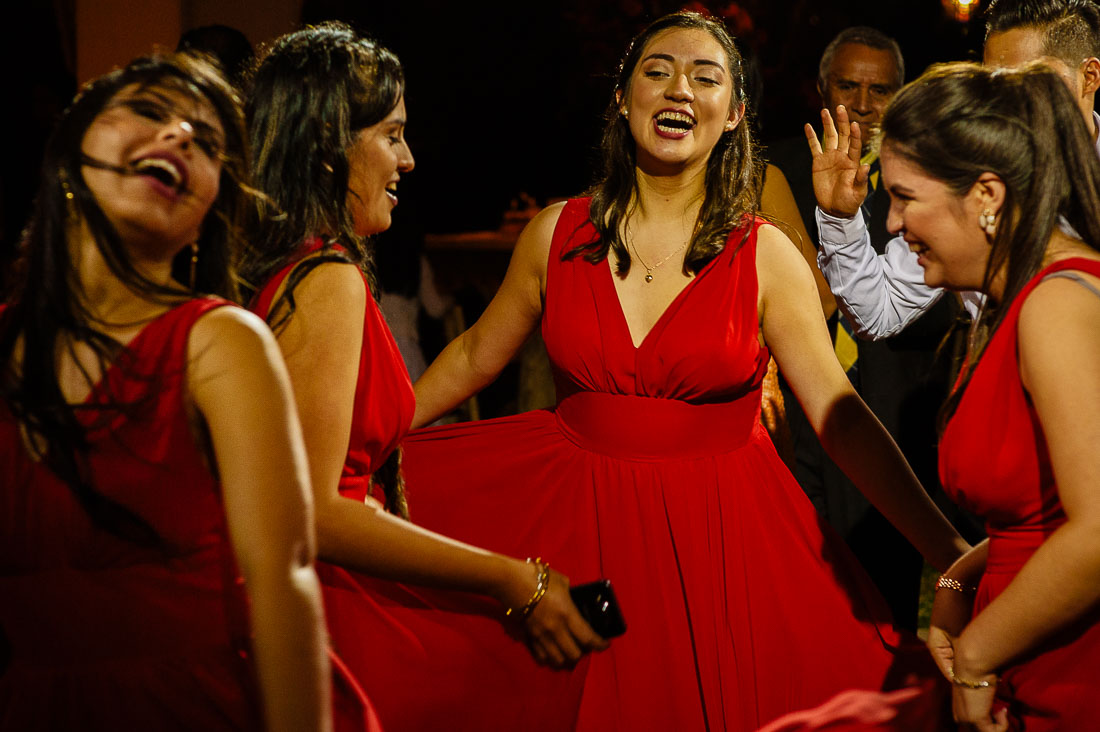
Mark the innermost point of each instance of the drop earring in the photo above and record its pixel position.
(194, 262)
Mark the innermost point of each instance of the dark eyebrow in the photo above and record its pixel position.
(670, 59)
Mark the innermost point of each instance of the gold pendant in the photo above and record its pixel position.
(648, 277)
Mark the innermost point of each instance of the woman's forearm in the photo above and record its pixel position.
(363, 537)
(1057, 586)
(864, 450)
(289, 646)
(451, 378)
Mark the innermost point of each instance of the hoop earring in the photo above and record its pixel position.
(194, 262)
(988, 221)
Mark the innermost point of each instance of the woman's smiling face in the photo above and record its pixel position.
(939, 225)
(162, 155)
(679, 98)
(375, 163)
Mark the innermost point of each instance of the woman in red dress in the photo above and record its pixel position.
(660, 298)
(996, 185)
(327, 121)
(130, 508)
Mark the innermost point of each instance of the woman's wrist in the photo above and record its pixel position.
(969, 666)
(522, 604)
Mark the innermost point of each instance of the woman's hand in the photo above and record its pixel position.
(972, 705)
(975, 707)
(951, 611)
(840, 180)
(557, 635)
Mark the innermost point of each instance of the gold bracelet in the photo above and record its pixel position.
(953, 584)
(541, 587)
(966, 684)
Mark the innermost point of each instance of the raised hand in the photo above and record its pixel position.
(840, 181)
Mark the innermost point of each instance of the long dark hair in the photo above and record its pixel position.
(732, 179)
(312, 92)
(48, 305)
(958, 121)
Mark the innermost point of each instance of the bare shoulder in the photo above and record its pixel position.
(527, 270)
(536, 237)
(332, 284)
(229, 335)
(1060, 308)
(776, 255)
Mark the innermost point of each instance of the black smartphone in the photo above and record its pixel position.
(597, 605)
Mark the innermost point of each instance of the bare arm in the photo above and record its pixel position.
(1059, 357)
(322, 343)
(796, 334)
(239, 385)
(777, 201)
(473, 360)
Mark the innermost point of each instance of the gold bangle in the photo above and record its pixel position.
(967, 684)
(953, 584)
(543, 584)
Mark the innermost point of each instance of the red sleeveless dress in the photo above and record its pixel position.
(107, 635)
(384, 407)
(654, 471)
(1057, 686)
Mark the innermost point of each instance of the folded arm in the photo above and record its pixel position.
(1059, 358)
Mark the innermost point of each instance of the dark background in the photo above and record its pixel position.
(503, 97)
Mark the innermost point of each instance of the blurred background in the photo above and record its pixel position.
(504, 98)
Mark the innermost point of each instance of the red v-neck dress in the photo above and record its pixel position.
(383, 412)
(654, 471)
(994, 462)
(107, 635)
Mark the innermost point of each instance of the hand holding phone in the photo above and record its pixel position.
(598, 606)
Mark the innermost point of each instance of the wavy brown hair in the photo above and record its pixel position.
(733, 174)
(312, 92)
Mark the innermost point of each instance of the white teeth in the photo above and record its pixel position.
(676, 116)
(160, 164)
(684, 122)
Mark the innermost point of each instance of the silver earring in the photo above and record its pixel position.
(988, 221)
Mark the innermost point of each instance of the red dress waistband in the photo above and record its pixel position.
(646, 428)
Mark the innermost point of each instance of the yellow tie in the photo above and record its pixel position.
(869, 159)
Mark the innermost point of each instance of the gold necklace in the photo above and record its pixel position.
(648, 269)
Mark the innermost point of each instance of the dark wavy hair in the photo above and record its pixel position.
(310, 95)
(732, 180)
(961, 120)
(48, 305)
(1071, 28)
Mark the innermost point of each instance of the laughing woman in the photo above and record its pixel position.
(660, 298)
(995, 183)
(128, 500)
(327, 121)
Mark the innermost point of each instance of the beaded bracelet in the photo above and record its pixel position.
(540, 588)
(966, 684)
(953, 584)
